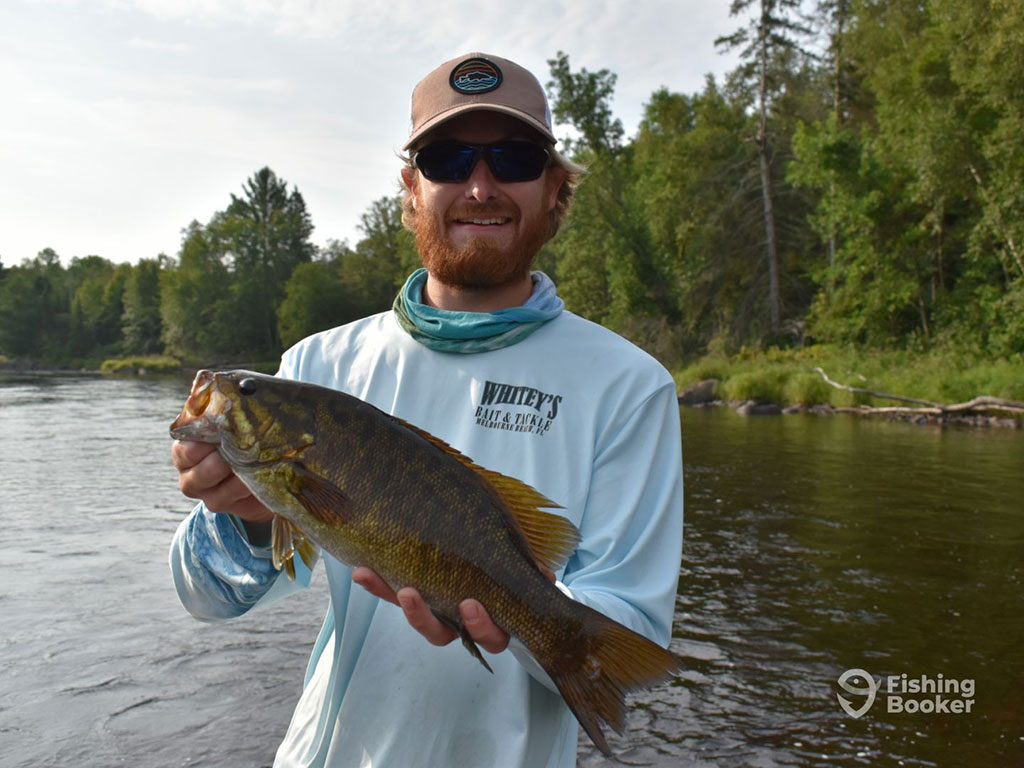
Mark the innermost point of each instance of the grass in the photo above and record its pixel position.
(787, 376)
(149, 364)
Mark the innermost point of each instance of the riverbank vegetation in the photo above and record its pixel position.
(139, 364)
(789, 376)
(848, 196)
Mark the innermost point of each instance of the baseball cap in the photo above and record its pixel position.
(478, 81)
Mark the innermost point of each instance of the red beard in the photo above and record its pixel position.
(481, 263)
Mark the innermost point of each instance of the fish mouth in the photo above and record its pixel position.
(203, 412)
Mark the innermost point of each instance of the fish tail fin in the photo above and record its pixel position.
(616, 660)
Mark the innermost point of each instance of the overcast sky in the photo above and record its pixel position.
(124, 120)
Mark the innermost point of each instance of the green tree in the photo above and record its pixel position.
(34, 308)
(770, 35)
(96, 287)
(703, 209)
(196, 308)
(382, 259)
(605, 261)
(316, 298)
(266, 232)
(140, 321)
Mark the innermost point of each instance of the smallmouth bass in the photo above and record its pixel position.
(373, 490)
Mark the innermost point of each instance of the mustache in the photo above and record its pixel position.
(483, 211)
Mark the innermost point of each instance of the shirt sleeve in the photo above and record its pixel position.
(631, 533)
(219, 574)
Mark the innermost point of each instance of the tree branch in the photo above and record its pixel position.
(980, 403)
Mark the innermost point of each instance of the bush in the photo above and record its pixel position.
(148, 364)
(808, 389)
(766, 384)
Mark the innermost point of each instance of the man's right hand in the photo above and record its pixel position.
(203, 474)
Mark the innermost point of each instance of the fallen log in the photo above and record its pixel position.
(982, 403)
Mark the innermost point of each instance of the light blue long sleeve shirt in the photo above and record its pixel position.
(575, 411)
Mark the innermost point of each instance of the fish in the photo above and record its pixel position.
(371, 489)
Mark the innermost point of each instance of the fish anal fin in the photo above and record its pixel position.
(308, 551)
(321, 498)
(467, 639)
(552, 538)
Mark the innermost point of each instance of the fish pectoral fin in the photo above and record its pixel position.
(286, 539)
(467, 639)
(321, 498)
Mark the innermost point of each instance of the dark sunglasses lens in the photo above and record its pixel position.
(446, 161)
(514, 161)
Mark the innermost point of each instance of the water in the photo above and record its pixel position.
(813, 545)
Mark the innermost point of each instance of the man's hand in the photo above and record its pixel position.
(203, 474)
(484, 632)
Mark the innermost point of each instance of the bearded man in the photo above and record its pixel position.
(479, 351)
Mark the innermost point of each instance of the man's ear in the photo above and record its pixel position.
(553, 181)
(409, 178)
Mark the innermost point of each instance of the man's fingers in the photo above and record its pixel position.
(484, 632)
(252, 510)
(418, 614)
(374, 584)
(187, 453)
(207, 473)
(203, 474)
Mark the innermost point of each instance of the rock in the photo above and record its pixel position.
(700, 393)
(795, 408)
(754, 408)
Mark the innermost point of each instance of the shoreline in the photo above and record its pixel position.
(906, 415)
(944, 386)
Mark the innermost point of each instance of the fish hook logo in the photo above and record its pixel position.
(869, 690)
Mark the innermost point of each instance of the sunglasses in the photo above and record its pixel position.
(509, 161)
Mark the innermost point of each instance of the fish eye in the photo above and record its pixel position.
(247, 386)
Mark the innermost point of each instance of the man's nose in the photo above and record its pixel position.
(481, 184)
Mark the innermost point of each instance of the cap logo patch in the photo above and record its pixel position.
(474, 76)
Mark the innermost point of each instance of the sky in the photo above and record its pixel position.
(121, 121)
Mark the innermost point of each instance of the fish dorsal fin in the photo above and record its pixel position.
(552, 538)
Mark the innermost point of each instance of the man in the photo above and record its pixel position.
(479, 352)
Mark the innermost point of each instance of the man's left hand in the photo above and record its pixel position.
(484, 632)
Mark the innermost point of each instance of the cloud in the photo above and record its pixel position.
(158, 45)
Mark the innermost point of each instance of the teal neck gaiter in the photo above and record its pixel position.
(468, 332)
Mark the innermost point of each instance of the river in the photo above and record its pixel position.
(814, 545)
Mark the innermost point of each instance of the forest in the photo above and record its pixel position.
(856, 182)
